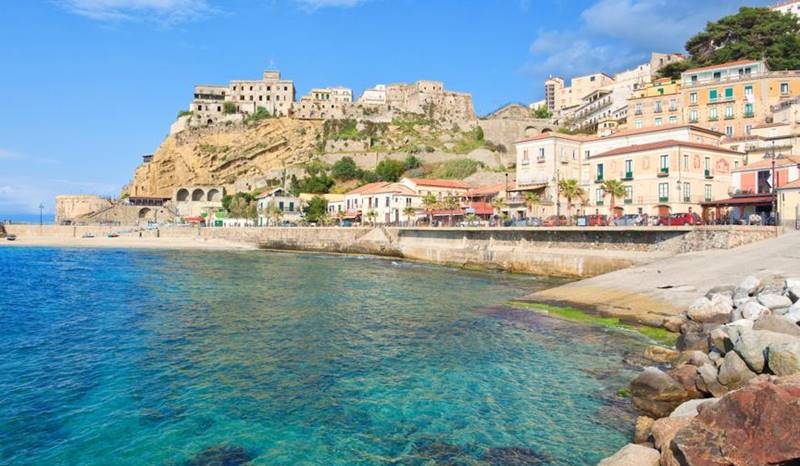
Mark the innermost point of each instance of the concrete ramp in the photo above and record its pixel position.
(667, 286)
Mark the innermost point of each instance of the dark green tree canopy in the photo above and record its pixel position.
(316, 209)
(752, 34)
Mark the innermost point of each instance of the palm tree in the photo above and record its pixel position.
(532, 199)
(451, 203)
(409, 212)
(430, 202)
(371, 215)
(499, 204)
(571, 190)
(615, 189)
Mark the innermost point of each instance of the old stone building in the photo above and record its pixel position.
(72, 206)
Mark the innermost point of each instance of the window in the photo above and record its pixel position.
(693, 116)
(685, 162)
(673, 105)
(693, 98)
(658, 121)
(280, 205)
(748, 91)
(673, 120)
(629, 169)
(717, 74)
(638, 109)
(728, 93)
(707, 167)
(291, 206)
(712, 114)
(587, 154)
(748, 110)
(729, 112)
(664, 164)
(599, 172)
(599, 196)
(712, 95)
(637, 124)
(687, 192)
(525, 156)
(729, 131)
(663, 192)
(628, 194)
(748, 129)
(784, 88)
(658, 106)
(540, 158)
(707, 193)
(387, 201)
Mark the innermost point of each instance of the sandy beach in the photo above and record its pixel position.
(126, 242)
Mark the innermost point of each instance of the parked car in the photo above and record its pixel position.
(682, 219)
(630, 220)
(11, 237)
(592, 221)
(555, 221)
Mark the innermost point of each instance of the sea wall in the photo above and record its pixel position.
(566, 252)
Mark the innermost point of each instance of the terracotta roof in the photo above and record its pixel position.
(368, 187)
(793, 185)
(721, 65)
(748, 199)
(482, 190)
(787, 161)
(742, 139)
(629, 132)
(662, 145)
(396, 188)
(555, 134)
(770, 125)
(438, 183)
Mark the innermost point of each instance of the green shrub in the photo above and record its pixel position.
(261, 113)
(345, 169)
(228, 108)
(456, 169)
(184, 113)
(390, 170)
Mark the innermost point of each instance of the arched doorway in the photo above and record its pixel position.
(198, 195)
(182, 195)
(214, 195)
(144, 213)
(531, 131)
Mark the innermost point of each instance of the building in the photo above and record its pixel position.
(756, 177)
(374, 96)
(789, 6)
(382, 203)
(69, 207)
(789, 205)
(324, 103)
(439, 188)
(671, 168)
(656, 104)
(561, 98)
(332, 94)
(735, 97)
(196, 201)
(277, 206)
(214, 103)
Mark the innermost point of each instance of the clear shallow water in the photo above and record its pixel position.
(182, 358)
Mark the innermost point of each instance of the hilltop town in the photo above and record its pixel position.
(714, 143)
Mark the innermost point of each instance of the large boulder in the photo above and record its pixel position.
(777, 324)
(727, 290)
(752, 310)
(756, 425)
(693, 357)
(656, 393)
(691, 408)
(687, 376)
(663, 431)
(774, 301)
(662, 355)
(708, 382)
(793, 293)
(641, 433)
(752, 345)
(633, 455)
(750, 285)
(734, 372)
(673, 323)
(784, 358)
(704, 310)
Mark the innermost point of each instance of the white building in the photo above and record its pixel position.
(278, 199)
(374, 96)
(790, 6)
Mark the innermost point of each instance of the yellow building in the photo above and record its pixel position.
(789, 205)
(734, 97)
(657, 104)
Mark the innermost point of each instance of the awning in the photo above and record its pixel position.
(742, 201)
(529, 187)
(194, 219)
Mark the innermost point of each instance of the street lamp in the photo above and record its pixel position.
(41, 214)
(772, 156)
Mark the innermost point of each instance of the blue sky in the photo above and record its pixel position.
(88, 86)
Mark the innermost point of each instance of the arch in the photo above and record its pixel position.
(182, 195)
(144, 212)
(210, 121)
(546, 130)
(198, 195)
(531, 131)
(214, 195)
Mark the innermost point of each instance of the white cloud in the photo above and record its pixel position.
(23, 194)
(317, 4)
(612, 35)
(164, 11)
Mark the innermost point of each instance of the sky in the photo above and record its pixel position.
(89, 86)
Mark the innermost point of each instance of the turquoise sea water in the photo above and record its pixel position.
(115, 357)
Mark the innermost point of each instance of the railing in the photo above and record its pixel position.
(663, 172)
(688, 83)
(627, 176)
(708, 174)
(663, 199)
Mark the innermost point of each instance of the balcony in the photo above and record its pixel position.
(687, 199)
(749, 115)
(663, 173)
(599, 179)
(663, 198)
(713, 118)
(628, 201)
(627, 176)
(729, 117)
(708, 174)
(599, 203)
(693, 120)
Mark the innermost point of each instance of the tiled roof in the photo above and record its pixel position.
(554, 134)
(439, 183)
(662, 145)
(482, 190)
(770, 125)
(630, 132)
(368, 187)
(787, 161)
(793, 185)
(721, 65)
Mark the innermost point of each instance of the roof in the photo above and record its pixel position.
(627, 132)
(722, 65)
(367, 187)
(787, 161)
(662, 145)
(770, 125)
(381, 187)
(555, 134)
(793, 185)
(438, 183)
(486, 190)
(748, 199)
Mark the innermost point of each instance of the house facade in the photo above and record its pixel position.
(277, 206)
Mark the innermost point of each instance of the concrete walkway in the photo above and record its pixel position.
(664, 287)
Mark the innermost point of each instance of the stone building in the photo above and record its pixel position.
(213, 103)
(374, 96)
(72, 206)
(194, 201)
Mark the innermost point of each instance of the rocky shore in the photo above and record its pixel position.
(730, 393)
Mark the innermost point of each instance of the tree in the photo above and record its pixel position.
(390, 170)
(430, 202)
(228, 108)
(411, 162)
(532, 199)
(498, 204)
(316, 181)
(542, 112)
(274, 212)
(673, 70)
(451, 203)
(752, 33)
(345, 169)
(615, 189)
(371, 216)
(571, 190)
(410, 213)
(316, 209)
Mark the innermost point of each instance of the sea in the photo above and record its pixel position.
(150, 357)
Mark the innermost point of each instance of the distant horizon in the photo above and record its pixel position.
(97, 84)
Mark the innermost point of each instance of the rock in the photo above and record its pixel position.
(740, 300)
(513, 456)
(784, 358)
(715, 357)
(793, 314)
(727, 290)
(664, 430)
(720, 340)
(693, 340)
(690, 408)
(756, 425)
(778, 324)
(673, 323)
(656, 393)
(745, 323)
(662, 355)
(687, 376)
(642, 432)
(704, 310)
(793, 293)
(734, 372)
(707, 381)
(774, 301)
(693, 357)
(790, 283)
(633, 455)
(749, 285)
(753, 310)
(751, 345)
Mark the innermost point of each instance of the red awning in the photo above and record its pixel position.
(753, 200)
(195, 219)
